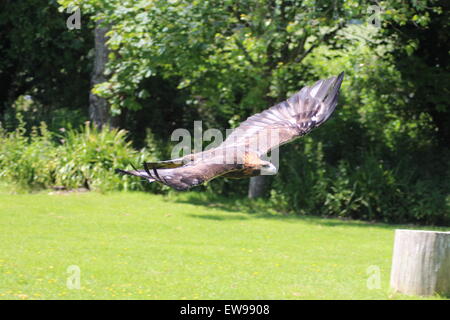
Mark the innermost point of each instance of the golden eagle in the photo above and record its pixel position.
(239, 156)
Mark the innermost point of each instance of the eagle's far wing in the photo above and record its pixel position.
(288, 120)
(183, 178)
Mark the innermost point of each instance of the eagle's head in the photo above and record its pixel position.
(268, 169)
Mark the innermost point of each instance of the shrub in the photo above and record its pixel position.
(368, 188)
(85, 157)
(27, 161)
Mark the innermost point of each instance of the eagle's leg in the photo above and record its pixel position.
(155, 175)
(135, 169)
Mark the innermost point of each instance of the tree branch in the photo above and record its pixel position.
(240, 45)
(323, 39)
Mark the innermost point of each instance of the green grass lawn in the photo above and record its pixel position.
(142, 246)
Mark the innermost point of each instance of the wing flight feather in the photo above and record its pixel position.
(288, 120)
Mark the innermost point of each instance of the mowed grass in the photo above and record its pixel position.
(143, 246)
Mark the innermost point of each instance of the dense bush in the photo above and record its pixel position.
(71, 159)
(368, 189)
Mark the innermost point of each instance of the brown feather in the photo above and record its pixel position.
(288, 120)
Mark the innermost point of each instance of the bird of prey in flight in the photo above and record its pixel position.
(239, 156)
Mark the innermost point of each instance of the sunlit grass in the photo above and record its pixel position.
(142, 246)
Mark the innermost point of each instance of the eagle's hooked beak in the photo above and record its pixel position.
(268, 169)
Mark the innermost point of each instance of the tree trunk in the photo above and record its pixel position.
(421, 262)
(98, 107)
(258, 186)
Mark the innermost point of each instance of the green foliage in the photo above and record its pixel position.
(25, 160)
(367, 189)
(33, 113)
(420, 31)
(84, 158)
(87, 158)
(233, 56)
(42, 58)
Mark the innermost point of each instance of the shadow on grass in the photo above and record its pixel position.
(259, 209)
(219, 217)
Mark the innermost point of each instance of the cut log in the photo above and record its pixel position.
(421, 262)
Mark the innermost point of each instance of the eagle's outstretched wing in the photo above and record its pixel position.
(288, 120)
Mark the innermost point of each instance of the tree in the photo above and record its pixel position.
(99, 112)
(41, 58)
(420, 32)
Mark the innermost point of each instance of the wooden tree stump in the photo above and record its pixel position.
(421, 262)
